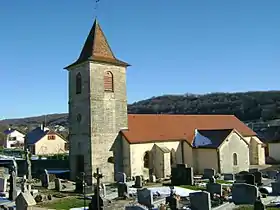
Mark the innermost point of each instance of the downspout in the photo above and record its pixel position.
(182, 151)
(219, 163)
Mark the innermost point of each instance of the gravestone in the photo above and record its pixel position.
(181, 165)
(79, 188)
(272, 174)
(25, 201)
(138, 182)
(12, 190)
(243, 193)
(45, 179)
(136, 207)
(103, 190)
(172, 202)
(121, 177)
(229, 177)
(258, 205)
(200, 200)
(258, 177)
(122, 190)
(182, 176)
(145, 197)
(278, 177)
(152, 178)
(243, 172)
(208, 172)
(93, 204)
(275, 188)
(253, 170)
(212, 179)
(214, 188)
(249, 179)
(3, 184)
(57, 184)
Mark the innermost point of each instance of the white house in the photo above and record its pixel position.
(14, 138)
(43, 141)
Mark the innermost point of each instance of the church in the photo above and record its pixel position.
(103, 135)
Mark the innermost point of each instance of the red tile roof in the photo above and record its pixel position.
(144, 128)
(97, 48)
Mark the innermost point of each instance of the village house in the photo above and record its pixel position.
(13, 138)
(43, 141)
(103, 135)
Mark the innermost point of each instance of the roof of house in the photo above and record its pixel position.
(213, 138)
(97, 48)
(144, 128)
(37, 134)
(9, 131)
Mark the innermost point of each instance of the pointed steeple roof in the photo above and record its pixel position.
(97, 48)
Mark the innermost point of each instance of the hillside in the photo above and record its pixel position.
(256, 106)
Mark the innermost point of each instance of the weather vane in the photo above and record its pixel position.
(96, 7)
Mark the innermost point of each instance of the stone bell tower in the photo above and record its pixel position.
(97, 107)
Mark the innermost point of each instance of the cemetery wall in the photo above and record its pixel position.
(137, 152)
(38, 165)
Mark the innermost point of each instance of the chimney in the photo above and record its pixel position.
(43, 126)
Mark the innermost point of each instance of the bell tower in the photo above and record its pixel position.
(97, 107)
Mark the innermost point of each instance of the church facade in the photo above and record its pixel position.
(103, 135)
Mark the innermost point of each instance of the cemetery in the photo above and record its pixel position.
(251, 189)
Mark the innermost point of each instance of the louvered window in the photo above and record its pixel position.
(108, 82)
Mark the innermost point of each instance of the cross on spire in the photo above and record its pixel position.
(96, 7)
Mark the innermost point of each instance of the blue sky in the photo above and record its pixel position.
(174, 47)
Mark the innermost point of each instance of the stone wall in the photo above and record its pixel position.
(40, 165)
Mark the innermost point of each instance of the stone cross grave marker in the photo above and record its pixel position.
(23, 186)
(12, 190)
(98, 176)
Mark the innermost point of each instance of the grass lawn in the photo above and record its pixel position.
(65, 203)
(252, 208)
(223, 182)
(190, 187)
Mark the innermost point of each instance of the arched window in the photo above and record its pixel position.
(235, 162)
(108, 82)
(146, 159)
(78, 83)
